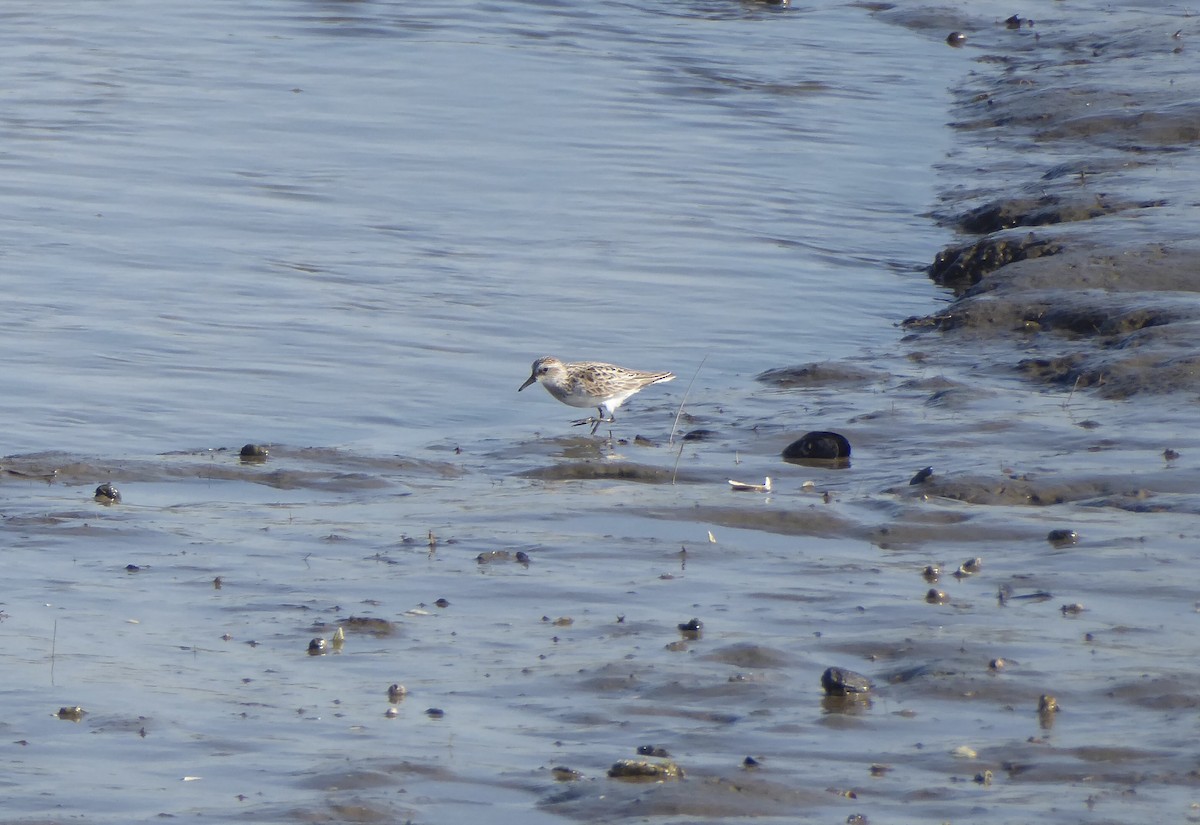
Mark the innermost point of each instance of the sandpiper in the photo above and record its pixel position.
(591, 384)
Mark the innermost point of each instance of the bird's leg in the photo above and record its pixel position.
(595, 422)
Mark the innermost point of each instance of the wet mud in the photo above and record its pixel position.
(1091, 283)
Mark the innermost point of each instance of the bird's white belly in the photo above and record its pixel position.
(576, 398)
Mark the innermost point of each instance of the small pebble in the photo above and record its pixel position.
(956, 39)
(935, 596)
(841, 682)
(932, 573)
(1072, 609)
(106, 493)
(997, 664)
(71, 713)
(396, 692)
(391, 713)
(317, 647)
(922, 476)
(653, 750)
(1047, 704)
(971, 566)
(1062, 537)
(750, 762)
(984, 777)
(435, 713)
(691, 628)
(564, 774)
(253, 452)
(442, 603)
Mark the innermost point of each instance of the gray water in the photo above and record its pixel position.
(356, 224)
(344, 230)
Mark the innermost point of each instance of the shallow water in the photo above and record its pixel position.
(345, 230)
(270, 206)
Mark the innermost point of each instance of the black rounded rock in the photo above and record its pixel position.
(841, 682)
(1062, 537)
(817, 445)
(253, 452)
(106, 493)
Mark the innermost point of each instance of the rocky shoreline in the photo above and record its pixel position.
(1078, 253)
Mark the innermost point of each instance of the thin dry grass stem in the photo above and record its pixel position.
(675, 469)
(1071, 394)
(679, 412)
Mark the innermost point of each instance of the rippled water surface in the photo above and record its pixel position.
(343, 231)
(357, 223)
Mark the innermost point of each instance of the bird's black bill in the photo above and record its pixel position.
(528, 381)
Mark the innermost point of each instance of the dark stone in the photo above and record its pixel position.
(922, 476)
(960, 267)
(819, 445)
(840, 682)
(106, 493)
(253, 452)
(1062, 537)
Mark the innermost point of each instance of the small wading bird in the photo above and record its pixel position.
(591, 384)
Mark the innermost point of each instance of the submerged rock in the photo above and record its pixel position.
(964, 266)
(370, 624)
(253, 453)
(817, 445)
(107, 493)
(841, 682)
(825, 373)
(643, 770)
(1062, 537)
